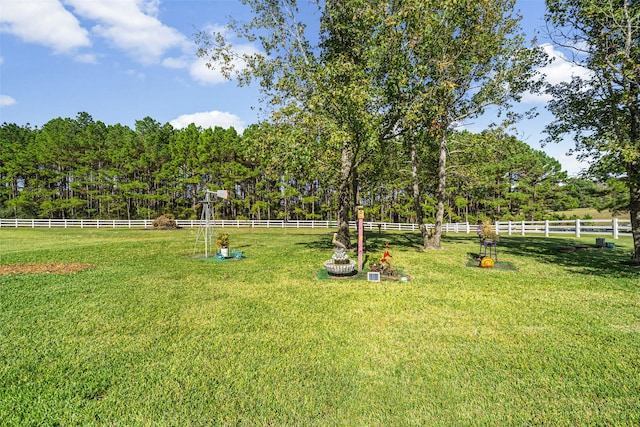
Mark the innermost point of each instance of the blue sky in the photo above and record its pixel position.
(123, 60)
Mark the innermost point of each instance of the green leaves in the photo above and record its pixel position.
(601, 110)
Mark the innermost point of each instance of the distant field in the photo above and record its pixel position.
(582, 212)
(141, 333)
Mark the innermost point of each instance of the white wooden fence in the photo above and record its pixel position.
(613, 227)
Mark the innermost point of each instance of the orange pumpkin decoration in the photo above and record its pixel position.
(487, 262)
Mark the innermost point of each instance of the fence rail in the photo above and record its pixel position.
(613, 227)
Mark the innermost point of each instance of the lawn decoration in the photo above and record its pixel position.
(384, 265)
(488, 240)
(487, 262)
(205, 231)
(380, 270)
(339, 264)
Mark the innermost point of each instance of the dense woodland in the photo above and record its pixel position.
(82, 168)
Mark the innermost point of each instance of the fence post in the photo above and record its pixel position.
(522, 231)
(546, 228)
(578, 227)
(615, 228)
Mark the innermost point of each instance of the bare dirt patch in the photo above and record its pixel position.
(51, 268)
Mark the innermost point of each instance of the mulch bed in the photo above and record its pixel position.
(40, 268)
(214, 258)
(362, 275)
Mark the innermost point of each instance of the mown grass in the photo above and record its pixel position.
(152, 336)
(592, 213)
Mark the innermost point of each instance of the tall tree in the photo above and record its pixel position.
(601, 109)
(16, 168)
(449, 61)
(324, 82)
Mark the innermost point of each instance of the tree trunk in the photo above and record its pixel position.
(344, 202)
(633, 171)
(417, 205)
(434, 239)
(634, 208)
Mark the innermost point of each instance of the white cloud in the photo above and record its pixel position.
(150, 7)
(205, 75)
(201, 73)
(559, 70)
(86, 58)
(129, 25)
(209, 119)
(6, 101)
(44, 22)
(176, 62)
(132, 26)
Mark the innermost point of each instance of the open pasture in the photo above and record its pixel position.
(149, 335)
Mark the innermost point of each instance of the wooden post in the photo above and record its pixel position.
(360, 235)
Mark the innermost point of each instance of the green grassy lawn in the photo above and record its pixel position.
(593, 213)
(152, 336)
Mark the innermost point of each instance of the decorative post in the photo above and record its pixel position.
(360, 235)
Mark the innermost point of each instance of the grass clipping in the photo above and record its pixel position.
(51, 268)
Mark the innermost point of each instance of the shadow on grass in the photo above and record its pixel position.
(590, 260)
(374, 241)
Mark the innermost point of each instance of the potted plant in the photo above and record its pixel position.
(222, 241)
(487, 232)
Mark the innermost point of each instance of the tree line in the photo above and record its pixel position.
(363, 108)
(82, 168)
